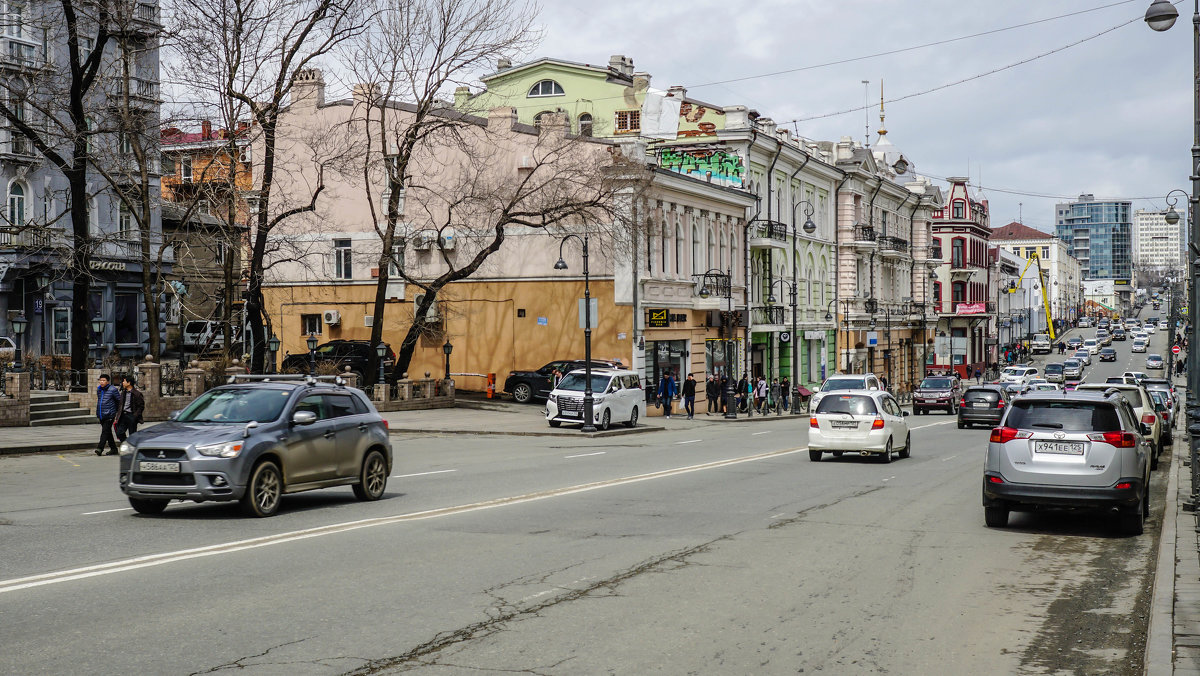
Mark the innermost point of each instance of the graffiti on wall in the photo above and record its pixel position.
(723, 165)
(694, 115)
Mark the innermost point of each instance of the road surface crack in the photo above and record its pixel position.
(239, 663)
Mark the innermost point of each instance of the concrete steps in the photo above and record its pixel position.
(56, 408)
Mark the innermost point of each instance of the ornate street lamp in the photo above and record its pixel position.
(589, 404)
(98, 332)
(381, 351)
(312, 353)
(273, 348)
(723, 282)
(447, 348)
(18, 327)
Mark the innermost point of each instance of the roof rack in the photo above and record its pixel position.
(285, 377)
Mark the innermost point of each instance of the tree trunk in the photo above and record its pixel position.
(81, 282)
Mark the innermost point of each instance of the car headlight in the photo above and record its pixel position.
(228, 449)
(554, 398)
(126, 448)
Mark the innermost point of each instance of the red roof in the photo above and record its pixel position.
(1016, 230)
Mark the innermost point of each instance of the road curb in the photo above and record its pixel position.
(1159, 659)
(63, 447)
(529, 433)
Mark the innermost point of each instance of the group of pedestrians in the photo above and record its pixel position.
(762, 395)
(119, 409)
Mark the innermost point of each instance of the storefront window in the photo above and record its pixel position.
(125, 318)
(663, 356)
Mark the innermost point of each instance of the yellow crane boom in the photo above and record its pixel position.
(1034, 258)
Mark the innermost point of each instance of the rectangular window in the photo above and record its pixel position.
(629, 121)
(126, 321)
(126, 143)
(62, 331)
(959, 210)
(397, 257)
(342, 260)
(310, 324)
(185, 169)
(126, 225)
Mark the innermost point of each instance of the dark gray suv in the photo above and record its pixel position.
(254, 441)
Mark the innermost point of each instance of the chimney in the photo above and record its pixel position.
(503, 63)
(677, 91)
(308, 88)
(461, 96)
(641, 81)
(621, 64)
(768, 125)
(736, 117)
(205, 130)
(367, 94)
(502, 118)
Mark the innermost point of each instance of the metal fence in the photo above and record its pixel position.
(61, 380)
(170, 382)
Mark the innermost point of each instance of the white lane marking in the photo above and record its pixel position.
(946, 422)
(405, 476)
(583, 455)
(693, 441)
(755, 434)
(778, 516)
(950, 457)
(16, 584)
(106, 511)
(890, 478)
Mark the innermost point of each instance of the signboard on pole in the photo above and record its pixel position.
(1174, 349)
(595, 313)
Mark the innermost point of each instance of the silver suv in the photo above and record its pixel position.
(1068, 450)
(256, 440)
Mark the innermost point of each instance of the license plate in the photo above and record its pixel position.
(571, 414)
(981, 404)
(843, 424)
(1059, 447)
(158, 466)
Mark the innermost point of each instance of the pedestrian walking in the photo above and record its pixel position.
(785, 391)
(760, 395)
(710, 393)
(666, 392)
(689, 396)
(107, 399)
(774, 397)
(743, 388)
(130, 408)
(978, 375)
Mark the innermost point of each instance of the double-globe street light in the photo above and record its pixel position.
(589, 404)
(19, 323)
(809, 228)
(723, 283)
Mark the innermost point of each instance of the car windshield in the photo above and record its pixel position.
(1072, 416)
(1014, 371)
(195, 326)
(1070, 363)
(327, 348)
(1090, 341)
(576, 381)
(1155, 356)
(236, 405)
(854, 404)
(844, 384)
(1054, 368)
(937, 383)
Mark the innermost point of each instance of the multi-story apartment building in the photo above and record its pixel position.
(1100, 236)
(122, 111)
(886, 298)
(1064, 275)
(965, 290)
(1157, 244)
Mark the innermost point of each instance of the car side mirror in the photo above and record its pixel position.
(173, 415)
(304, 418)
(904, 413)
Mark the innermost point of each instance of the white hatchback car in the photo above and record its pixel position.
(868, 422)
(617, 396)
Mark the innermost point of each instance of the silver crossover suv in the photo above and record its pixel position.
(1081, 449)
(254, 441)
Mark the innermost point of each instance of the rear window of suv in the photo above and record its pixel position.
(854, 404)
(1072, 416)
(981, 395)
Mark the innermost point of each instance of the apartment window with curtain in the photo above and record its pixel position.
(16, 205)
(126, 225)
(342, 268)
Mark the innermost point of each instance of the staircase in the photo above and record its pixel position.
(56, 408)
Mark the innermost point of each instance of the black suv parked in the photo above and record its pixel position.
(353, 353)
(525, 386)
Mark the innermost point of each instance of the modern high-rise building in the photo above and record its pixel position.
(1156, 244)
(1099, 234)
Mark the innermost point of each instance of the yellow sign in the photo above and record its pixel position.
(658, 319)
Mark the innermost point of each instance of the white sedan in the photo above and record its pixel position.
(867, 422)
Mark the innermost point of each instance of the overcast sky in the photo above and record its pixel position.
(1111, 116)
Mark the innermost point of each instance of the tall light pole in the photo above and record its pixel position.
(771, 300)
(724, 286)
(809, 228)
(589, 404)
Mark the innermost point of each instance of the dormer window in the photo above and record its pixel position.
(546, 88)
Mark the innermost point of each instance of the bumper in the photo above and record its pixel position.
(989, 416)
(200, 487)
(555, 415)
(1043, 495)
(932, 402)
(874, 442)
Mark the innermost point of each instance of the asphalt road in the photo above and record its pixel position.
(713, 550)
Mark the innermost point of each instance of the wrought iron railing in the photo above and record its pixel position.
(769, 314)
(893, 243)
(170, 382)
(770, 229)
(864, 233)
(60, 380)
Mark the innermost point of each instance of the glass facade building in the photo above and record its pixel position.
(1099, 234)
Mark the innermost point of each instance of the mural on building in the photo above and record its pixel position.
(697, 120)
(724, 166)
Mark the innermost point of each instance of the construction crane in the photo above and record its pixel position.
(1012, 288)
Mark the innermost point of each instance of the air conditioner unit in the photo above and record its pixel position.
(431, 315)
(423, 241)
(448, 240)
(332, 317)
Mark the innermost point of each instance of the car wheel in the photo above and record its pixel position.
(907, 450)
(264, 490)
(372, 478)
(554, 423)
(995, 516)
(148, 505)
(633, 417)
(814, 456)
(887, 452)
(962, 425)
(1133, 521)
(522, 393)
(605, 420)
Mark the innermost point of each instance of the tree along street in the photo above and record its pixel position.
(715, 549)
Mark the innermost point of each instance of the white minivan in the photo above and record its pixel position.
(1091, 345)
(617, 396)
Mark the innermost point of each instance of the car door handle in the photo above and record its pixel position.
(329, 434)
(362, 427)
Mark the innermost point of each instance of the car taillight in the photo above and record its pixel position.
(812, 422)
(1124, 485)
(1006, 434)
(1118, 439)
(878, 424)
(995, 479)
(1148, 418)
(1163, 414)
(385, 424)
(1000, 404)
(962, 403)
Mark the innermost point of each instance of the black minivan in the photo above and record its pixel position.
(982, 405)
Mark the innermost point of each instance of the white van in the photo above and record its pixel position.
(617, 396)
(1091, 345)
(1040, 344)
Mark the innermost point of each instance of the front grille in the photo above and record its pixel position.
(163, 479)
(570, 405)
(162, 454)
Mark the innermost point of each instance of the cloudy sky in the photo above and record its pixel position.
(1110, 115)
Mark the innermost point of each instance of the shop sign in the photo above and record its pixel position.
(785, 336)
(971, 309)
(814, 335)
(111, 266)
(658, 319)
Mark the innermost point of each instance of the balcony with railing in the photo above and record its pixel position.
(13, 238)
(864, 237)
(971, 308)
(893, 247)
(764, 316)
(768, 234)
(143, 92)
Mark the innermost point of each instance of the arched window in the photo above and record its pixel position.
(712, 252)
(16, 205)
(537, 119)
(546, 88)
(697, 256)
(808, 269)
(585, 124)
(723, 262)
(666, 246)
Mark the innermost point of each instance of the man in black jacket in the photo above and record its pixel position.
(130, 409)
(689, 396)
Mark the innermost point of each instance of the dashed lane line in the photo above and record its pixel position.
(440, 471)
(583, 455)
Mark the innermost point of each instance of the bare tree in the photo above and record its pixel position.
(245, 56)
(413, 51)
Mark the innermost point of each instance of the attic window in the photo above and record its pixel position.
(546, 88)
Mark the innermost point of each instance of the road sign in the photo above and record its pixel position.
(1175, 349)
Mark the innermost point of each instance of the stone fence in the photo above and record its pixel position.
(414, 395)
(14, 406)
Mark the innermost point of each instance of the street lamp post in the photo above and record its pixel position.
(795, 338)
(448, 348)
(273, 348)
(18, 326)
(589, 404)
(98, 331)
(724, 282)
(381, 352)
(312, 353)
(809, 228)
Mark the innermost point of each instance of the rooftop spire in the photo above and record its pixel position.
(882, 129)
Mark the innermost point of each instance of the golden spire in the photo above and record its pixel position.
(882, 129)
